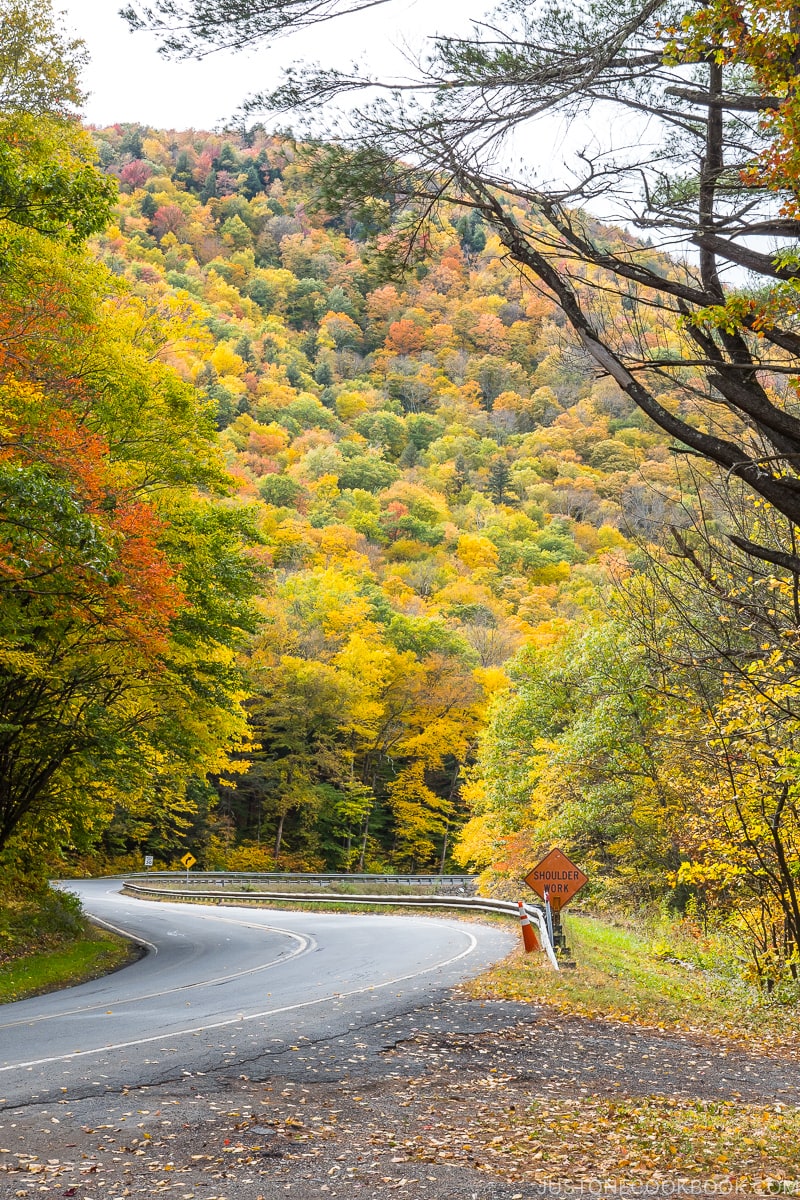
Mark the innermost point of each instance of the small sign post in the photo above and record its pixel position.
(148, 860)
(188, 861)
(548, 915)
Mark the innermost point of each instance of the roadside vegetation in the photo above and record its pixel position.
(46, 943)
(668, 976)
(645, 1141)
(660, 972)
(341, 887)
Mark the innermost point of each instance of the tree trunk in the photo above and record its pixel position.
(444, 848)
(364, 844)
(451, 793)
(279, 839)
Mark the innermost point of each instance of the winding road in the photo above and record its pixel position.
(221, 986)
(258, 1054)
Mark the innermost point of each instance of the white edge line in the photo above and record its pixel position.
(129, 937)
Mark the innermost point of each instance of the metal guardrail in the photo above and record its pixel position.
(446, 883)
(473, 903)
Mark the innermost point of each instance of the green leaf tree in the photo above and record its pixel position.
(48, 178)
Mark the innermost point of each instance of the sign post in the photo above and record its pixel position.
(557, 881)
(188, 861)
(548, 915)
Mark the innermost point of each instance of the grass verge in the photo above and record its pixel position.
(623, 972)
(91, 955)
(288, 888)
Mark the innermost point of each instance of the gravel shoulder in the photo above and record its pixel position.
(460, 1100)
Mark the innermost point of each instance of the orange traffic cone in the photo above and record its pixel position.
(529, 938)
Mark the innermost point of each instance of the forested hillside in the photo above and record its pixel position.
(327, 538)
(438, 477)
(454, 625)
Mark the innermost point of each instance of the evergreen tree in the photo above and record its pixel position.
(499, 479)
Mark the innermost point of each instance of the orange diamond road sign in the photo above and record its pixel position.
(557, 876)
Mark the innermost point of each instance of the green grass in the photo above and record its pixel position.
(622, 973)
(94, 954)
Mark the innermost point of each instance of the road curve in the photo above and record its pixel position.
(223, 986)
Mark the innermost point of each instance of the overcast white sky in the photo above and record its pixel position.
(129, 81)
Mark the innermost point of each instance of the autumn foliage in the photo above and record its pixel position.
(438, 479)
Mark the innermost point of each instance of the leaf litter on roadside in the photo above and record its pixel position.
(538, 1101)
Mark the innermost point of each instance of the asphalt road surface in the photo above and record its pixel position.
(222, 986)
(260, 1055)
